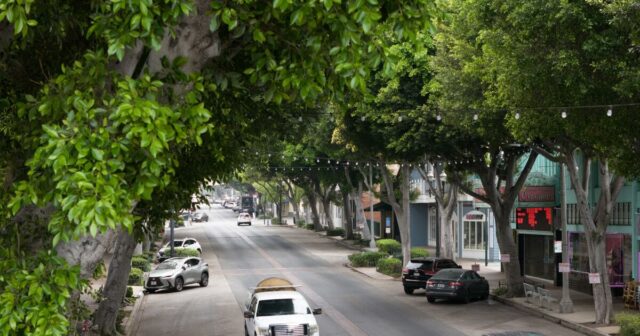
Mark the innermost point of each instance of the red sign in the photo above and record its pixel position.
(533, 219)
(537, 194)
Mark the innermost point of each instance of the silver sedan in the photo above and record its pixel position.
(175, 273)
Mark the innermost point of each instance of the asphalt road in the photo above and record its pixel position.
(353, 304)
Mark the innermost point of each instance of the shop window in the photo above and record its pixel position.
(432, 225)
(474, 235)
(573, 215)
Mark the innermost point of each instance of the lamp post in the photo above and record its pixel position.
(431, 178)
(566, 305)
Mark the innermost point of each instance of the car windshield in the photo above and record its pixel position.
(448, 274)
(167, 265)
(281, 307)
(177, 243)
(416, 264)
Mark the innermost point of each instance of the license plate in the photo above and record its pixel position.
(440, 286)
(152, 282)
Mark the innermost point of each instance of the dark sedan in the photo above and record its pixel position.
(457, 284)
(419, 270)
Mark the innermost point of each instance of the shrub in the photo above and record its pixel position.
(129, 292)
(390, 266)
(419, 252)
(141, 263)
(389, 246)
(186, 252)
(335, 232)
(500, 291)
(366, 259)
(309, 226)
(99, 271)
(135, 277)
(629, 324)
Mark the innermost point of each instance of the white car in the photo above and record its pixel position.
(190, 243)
(276, 308)
(244, 218)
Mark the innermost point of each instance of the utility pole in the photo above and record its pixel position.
(566, 305)
(171, 226)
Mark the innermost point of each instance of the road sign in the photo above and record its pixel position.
(594, 278)
(505, 258)
(564, 268)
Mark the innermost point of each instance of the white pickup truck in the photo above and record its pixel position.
(275, 308)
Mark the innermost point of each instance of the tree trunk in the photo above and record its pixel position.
(507, 244)
(401, 210)
(86, 252)
(326, 205)
(116, 285)
(313, 204)
(361, 220)
(347, 214)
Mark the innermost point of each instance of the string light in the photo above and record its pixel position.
(300, 119)
(438, 117)
(400, 118)
(362, 118)
(610, 111)
(475, 116)
(517, 115)
(564, 114)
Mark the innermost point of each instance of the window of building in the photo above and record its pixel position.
(474, 235)
(621, 214)
(573, 215)
(432, 225)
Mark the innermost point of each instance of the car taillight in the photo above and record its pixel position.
(428, 272)
(455, 284)
(430, 283)
(405, 270)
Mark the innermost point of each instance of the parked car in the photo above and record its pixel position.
(200, 217)
(244, 218)
(276, 308)
(419, 270)
(191, 243)
(457, 284)
(230, 204)
(175, 273)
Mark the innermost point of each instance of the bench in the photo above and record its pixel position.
(545, 296)
(530, 294)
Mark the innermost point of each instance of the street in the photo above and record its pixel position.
(352, 303)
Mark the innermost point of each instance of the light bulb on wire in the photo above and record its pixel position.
(438, 117)
(610, 111)
(475, 116)
(564, 114)
(517, 115)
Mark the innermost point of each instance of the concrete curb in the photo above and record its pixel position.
(568, 324)
(134, 318)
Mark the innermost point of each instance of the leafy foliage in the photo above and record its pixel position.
(419, 252)
(186, 252)
(135, 277)
(629, 324)
(389, 246)
(335, 232)
(141, 263)
(35, 293)
(390, 266)
(366, 259)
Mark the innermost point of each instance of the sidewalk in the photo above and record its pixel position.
(581, 320)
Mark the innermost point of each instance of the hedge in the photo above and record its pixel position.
(186, 252)
(629, 324)
(390, 266)
(419, 252)
(335, 232)
(309, 226)
(141, 263)
(135, 277)
(100, 270)
(366, 259)
(389, 246)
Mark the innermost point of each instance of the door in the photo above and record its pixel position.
(191, 273)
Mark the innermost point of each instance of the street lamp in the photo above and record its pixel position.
(566, 305)
(430, 179)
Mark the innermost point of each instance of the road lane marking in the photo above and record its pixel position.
(346, 324)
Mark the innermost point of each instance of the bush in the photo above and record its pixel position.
(389, 246)
(419, 252)
(99, 271)
(186, 252)
(309, 226)
(629, 324)
(500, 291)
(335, 232)
(135, 277)
(390, 266)
(366, 259)
(129, 292)
(141, 263)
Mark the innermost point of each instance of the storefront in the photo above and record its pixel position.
(536, 242)
(474, 235)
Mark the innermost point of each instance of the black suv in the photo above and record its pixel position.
(419, 270)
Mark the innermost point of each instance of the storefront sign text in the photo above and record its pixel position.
(537, 194)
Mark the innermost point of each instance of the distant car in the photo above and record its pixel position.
(200, 217)
(419, 270)
(175, 273)
(457, 284)
(244, 218)
(191, 243)
(230, 204)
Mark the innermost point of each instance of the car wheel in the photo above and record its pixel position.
(467, 297)
(408, 290)
(179, 284)
(431, 299)
(484, 296)
(151, 291)
(204, 279)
